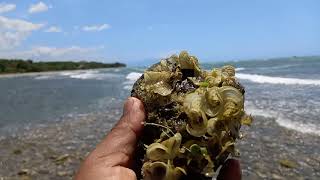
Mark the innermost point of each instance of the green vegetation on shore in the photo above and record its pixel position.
(23, 66)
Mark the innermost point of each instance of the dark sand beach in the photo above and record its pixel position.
(56, 150)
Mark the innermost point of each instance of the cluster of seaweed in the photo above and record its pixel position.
(193, 118)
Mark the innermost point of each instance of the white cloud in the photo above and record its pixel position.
(14, 31)
(18, 25)
(57, 52)
(37, 8)
(53, 29)
(4, 7)
(96, 27)
(9, 40)
(53, 53)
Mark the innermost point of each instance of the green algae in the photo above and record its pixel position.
(193, 118)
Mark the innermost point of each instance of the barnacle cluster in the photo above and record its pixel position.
(193, 119)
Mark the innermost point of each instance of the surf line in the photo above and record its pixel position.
(277, 80)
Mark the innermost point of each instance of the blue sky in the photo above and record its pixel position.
(138, 31)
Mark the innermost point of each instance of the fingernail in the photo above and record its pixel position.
(138, 105)
(128, 105)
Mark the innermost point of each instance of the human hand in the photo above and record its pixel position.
(112, 157)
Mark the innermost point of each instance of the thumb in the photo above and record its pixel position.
(124, 135)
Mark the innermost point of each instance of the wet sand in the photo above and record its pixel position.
(55, 151)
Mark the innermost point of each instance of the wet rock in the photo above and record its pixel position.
(62, 173)
(25, 177)
(288, 163)
(261, 175)
(61, 159)
(277, 177)
(17, 151)
(193, 118)
(43, 171)
(23, 172)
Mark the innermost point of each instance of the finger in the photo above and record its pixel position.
(230, 170)
(123, 137)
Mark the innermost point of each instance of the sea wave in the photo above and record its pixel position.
(67, 73)
(240, 69)
(95, 75)
(298, 126)
(83, 74)
(285, 122)
(43, 77)
(131, 78)
(277, 80)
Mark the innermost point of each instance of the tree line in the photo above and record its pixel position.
(23, 66)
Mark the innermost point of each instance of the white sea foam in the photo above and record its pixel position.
(240, 69)
(299, 126)
(93, 75)
(79, 74)
(85, 76)
(285, 122)
(278, 80)
(133, 76)
(43, 77)
(67, 73)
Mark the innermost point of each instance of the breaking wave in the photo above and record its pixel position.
(130, 79)
(299, 126)
(240, 69)
(278, 80)
(133, 76)
(94, 75)
(43, 77)
(302, 127)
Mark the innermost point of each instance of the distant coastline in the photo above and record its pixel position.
(17, 66)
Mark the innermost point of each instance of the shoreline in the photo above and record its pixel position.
(56, 150)
(11, 75)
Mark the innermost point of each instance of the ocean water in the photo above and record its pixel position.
(285, 89)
